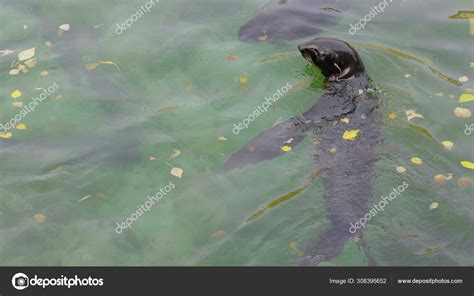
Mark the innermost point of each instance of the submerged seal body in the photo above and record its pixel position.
(347, 164)
(279, 21)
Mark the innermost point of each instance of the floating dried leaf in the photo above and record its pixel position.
(14, 72)
(448, 145)
(462, 112)
(177, 172)
(400, 169)
(174, 153)
(434, 205)
(465, 182)
(21, 126)
(65, 27)
(392, 116)
(17, 104)
(441, 179)
(222, 139)
(16, 94)
(85, 197)
(231, 57)
(345, 119)
(412, 114)
(243, 79)
(7, 135)
(464, 98)
(91, 66)
(416, 160)
(467, 164)
(44, 73)
(48, 44)
(295, 249)
(40, 218)
(463, 79)
(218, 234)
(350, 135)
(6, 52)
(286, 148)
(26, 54)
(263, 38)
(31, 63)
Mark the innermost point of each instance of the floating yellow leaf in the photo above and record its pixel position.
(252, 148)
(434, 205)
(392, 116)
(17, 104)
(467, 164)
(286, 148)
(58, 97)
(462, 112)
(400, 169)
(174, 153)
(463, 79)
(295, 249)
(333, 150)
(56, 170)
(14, 72)
(350, 135)
(44, 73)
(218, 234)
(412, 114)
(65, 27)
(447, 145)
(416, 160)
(345, 119)
(464, 98)
(40, 218)
(177, 172)
(152, 158)
(243, 79)
(263, 38)
(16, 94)
(6, 135)
(21, 126)
(26, 54)
(222, 139)
(110, 63)
(31, 63)
(465, 182)
(48, 44)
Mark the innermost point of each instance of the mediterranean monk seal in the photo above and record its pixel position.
(346, 122)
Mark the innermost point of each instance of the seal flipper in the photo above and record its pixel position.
(268, 144)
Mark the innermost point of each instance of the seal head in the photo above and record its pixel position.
(336, 58)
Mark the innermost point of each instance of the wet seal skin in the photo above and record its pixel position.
(347, 164)
(281, 20)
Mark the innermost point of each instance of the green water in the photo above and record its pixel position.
(177, 88)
